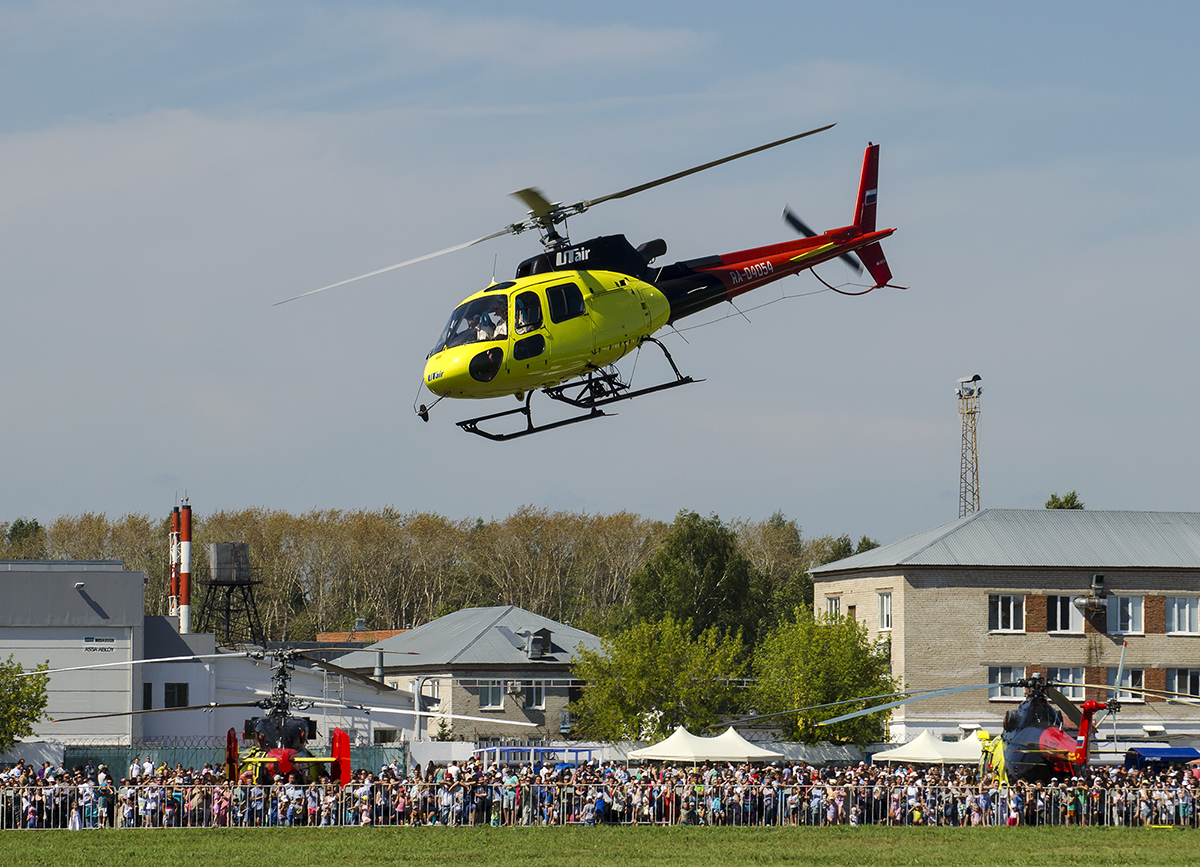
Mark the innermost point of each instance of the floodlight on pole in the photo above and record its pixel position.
(968, 391)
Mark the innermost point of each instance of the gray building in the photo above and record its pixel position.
(991, 597)
(75, 613)
(499, 663)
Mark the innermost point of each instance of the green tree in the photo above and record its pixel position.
(843, 547)
(654, 677)
(806, 661)
(22, 701)
(777, 550)
(699, 575)
(25, 540)
(1069, 500)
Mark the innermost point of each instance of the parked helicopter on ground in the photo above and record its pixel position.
(1035, 745)
(572, 312)
(280, 736)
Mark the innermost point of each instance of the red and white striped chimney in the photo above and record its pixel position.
(185, 571)
(173, 578)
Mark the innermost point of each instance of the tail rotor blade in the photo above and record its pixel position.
(797, 224)
(803, 228)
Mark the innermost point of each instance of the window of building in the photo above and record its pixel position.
(176, 695)
(885, 611)
(147, 696)
(1068, 680)
(1185, 681)
(833, 606)
(1181, 615)
(535, 695)
(1000, 675)
(1062, 616)
(491, 695)
(386, 736)
(1006, 613)
(1124, 614)
(1131, 679)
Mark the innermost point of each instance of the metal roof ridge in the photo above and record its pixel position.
(480, 634)
(951, 528)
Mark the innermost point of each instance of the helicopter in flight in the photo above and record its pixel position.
(575, 310)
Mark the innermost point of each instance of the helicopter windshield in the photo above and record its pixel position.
(474, 322)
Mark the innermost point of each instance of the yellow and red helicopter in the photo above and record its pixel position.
(573, 311)
(1035, 744)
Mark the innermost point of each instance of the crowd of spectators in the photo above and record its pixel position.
(595, 793)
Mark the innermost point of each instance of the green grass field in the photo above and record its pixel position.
(596, 847)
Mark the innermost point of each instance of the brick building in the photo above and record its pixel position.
(497, 663)
(992, 597)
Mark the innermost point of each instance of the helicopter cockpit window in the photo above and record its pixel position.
(528, 312)
(566, 302)
(476, 321)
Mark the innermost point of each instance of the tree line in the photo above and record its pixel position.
(322, 570)
(690, 612)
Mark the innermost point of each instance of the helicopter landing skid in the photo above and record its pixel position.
(471, 425)
(599, 388)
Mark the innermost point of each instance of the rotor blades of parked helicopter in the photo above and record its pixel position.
(797, 710)
(936, 694)
(1114, 689)
(507, 230)
(1073, 713)
(1165, 695)
(194, 658)
(802, 227)
(391, 711)
(211, 706)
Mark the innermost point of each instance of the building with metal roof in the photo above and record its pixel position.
(1003, 593)
(501, 662)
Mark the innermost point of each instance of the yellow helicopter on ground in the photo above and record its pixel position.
(573, 311)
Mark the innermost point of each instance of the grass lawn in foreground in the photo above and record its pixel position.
(598, 847)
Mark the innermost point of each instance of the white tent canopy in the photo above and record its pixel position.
(925, 749)
(734, 743)
(683, 746)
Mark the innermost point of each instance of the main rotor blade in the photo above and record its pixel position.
(205, 707)
(345, 672)
(938, 694)
(535, 200)
(907, 692)
(193, 658)
(505, 231)
(398, 712)
(1065, 705)
(640, 187)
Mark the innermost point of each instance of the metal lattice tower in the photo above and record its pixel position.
(968, 391)
(229, 610)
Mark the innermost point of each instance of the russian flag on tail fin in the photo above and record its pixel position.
(868, 189)
(864, 217)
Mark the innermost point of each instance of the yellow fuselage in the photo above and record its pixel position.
(541, 330)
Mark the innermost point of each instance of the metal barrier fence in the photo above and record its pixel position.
(393, 803)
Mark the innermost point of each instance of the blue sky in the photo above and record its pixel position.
(172, 170)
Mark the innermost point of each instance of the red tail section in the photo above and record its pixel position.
(868, 188)
(231, 756)
(340, 767)
(864, 217)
